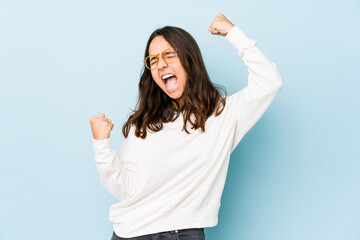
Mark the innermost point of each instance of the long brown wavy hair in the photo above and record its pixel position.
(200, 97)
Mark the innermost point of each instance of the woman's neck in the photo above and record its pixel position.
(180, 101)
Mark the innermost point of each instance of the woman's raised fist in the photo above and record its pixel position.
(101, 126)
(220, 25)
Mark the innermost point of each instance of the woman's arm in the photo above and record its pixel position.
(264, 83)
(117, 175)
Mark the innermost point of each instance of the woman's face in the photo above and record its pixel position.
(173, 86)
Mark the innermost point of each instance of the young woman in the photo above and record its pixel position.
(168, 177)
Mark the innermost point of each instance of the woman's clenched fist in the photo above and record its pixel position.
(100, 126)
(220, 25)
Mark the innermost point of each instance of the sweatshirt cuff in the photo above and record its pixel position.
(101, 146)
(239, 40)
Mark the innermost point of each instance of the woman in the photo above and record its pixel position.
(169, 178)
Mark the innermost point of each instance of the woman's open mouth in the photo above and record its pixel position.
(170, 81)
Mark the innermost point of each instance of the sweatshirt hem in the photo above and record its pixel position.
(175, 220)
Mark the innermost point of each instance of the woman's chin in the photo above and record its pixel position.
(175, 94)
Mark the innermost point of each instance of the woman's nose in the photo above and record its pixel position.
(162, 63)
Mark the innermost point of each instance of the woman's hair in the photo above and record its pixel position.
(200, 97)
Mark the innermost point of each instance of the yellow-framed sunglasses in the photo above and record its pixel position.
(152, 61)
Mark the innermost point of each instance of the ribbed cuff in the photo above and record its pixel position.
(101, 146)
(102, 140)
(239, 40)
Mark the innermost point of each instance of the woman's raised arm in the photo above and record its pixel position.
(264, 81)
(118, 174)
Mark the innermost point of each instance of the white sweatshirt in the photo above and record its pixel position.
(172, 180)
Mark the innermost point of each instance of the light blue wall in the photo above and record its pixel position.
(295, 175)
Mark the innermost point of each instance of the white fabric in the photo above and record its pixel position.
(172, 180)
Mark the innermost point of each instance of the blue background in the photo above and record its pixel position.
(295, 175)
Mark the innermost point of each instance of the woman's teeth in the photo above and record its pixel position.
(167, 76)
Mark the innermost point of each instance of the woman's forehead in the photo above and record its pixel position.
(157, 45)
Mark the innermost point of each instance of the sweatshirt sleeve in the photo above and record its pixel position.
(264, 83)
(118, 174)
